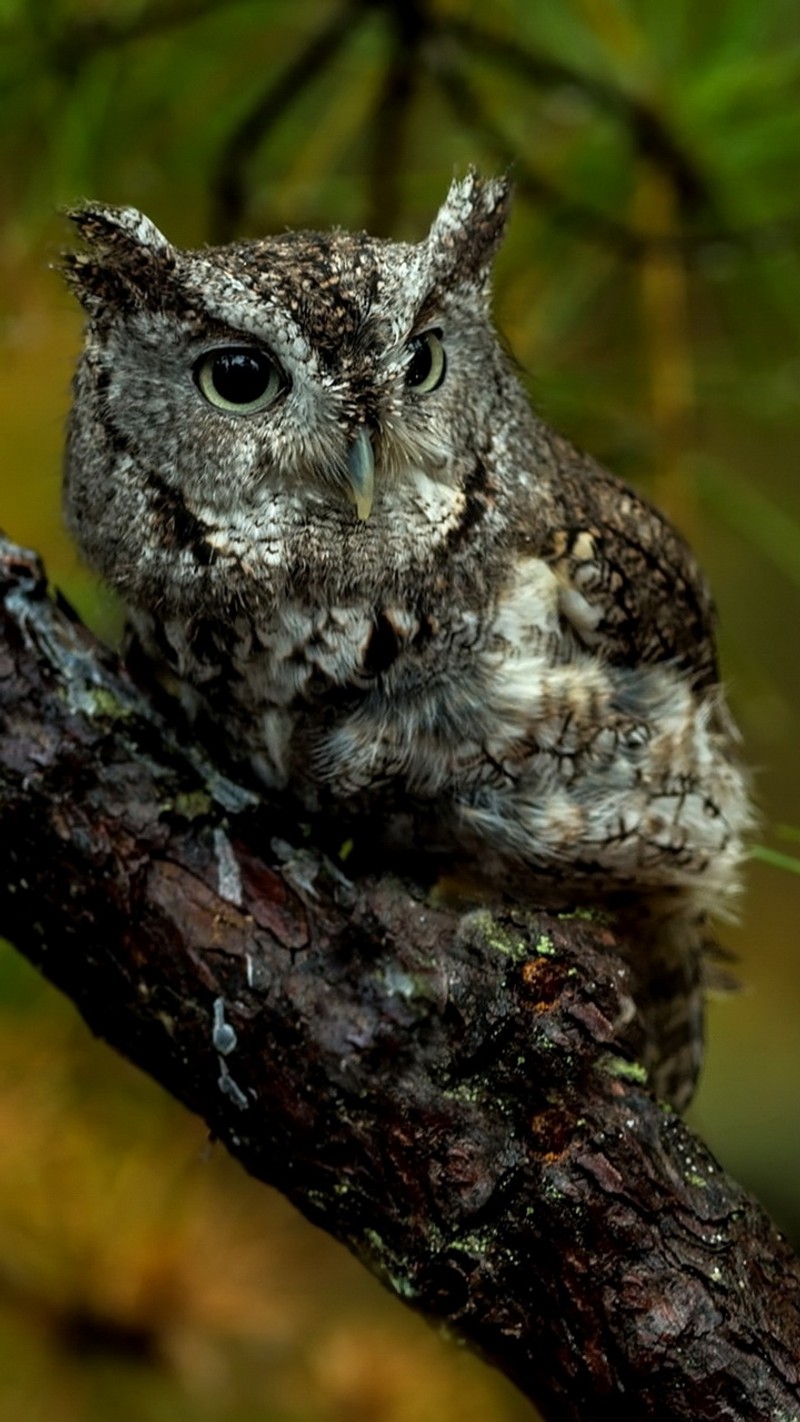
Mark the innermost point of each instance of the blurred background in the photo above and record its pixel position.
(650, 284)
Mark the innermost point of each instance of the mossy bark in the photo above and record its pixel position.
(457, 1097)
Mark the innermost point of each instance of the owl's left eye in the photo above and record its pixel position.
(428, 363)
(239, 378)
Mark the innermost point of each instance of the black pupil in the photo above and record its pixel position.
(241, 376)
(421, 361)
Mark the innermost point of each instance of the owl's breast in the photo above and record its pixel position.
(337, 700)
(282, 689)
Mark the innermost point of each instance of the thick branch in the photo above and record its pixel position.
(456, 1098)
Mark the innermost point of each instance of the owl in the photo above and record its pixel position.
(391, 591)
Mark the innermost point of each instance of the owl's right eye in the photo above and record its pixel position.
(239, 378)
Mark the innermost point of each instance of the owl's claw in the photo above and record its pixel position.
(361, 473)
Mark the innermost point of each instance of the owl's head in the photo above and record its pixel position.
(309, 405)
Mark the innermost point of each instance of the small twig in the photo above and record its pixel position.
(72, 43)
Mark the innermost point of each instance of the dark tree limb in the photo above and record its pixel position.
(409, 26)
(456, 1098)
(653, 138)
(229, 181)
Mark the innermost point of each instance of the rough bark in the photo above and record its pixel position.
(456, 1097)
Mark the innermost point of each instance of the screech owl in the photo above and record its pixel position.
(310, 469)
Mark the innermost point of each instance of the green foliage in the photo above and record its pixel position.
(774, 857)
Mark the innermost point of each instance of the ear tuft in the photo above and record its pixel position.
(469, 227)
(118, 229)
(128, 256)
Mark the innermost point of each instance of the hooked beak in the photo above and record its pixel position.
(361, 473)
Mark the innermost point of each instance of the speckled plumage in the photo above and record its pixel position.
(488, 646)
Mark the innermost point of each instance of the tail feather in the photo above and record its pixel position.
(668, 960)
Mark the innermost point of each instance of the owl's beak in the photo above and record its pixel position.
(361, 473)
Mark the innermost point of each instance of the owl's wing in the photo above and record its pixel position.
(612, 550)
(631, 591)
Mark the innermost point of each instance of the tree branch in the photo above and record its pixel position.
(229, 184)
(456, 1097)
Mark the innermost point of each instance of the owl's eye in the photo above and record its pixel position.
(239, 378)
(428, 363)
